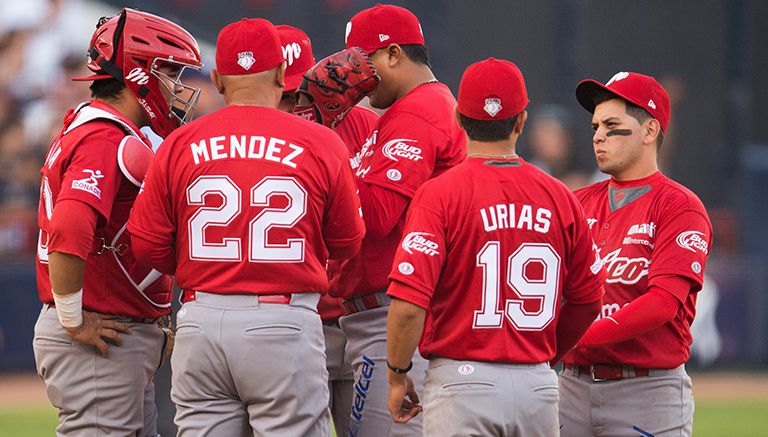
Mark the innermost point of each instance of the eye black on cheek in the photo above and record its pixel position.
(618, 132)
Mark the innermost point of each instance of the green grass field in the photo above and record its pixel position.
(712, 419)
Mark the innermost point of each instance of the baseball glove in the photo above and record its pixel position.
(336, 84)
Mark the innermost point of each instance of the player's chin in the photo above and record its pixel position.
(379, 101)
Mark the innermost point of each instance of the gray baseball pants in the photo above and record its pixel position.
(243, 368)
(366, 333)
(340, 377)
(657, 405)
(98, 396)
(472, 398)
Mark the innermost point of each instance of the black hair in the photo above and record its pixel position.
(106, 88)
(488, 130)
(417, 53)
(634, 111)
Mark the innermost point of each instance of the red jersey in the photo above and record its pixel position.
(82, 164)
(490, 250)
(417, 139)
(353, 130)
(252, 199)
(646, 229)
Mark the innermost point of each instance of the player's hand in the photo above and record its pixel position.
(95, 329)
(403, 400)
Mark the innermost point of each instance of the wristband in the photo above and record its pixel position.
(398, 370)
(69, 307)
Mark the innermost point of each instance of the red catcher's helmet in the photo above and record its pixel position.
(133, 47)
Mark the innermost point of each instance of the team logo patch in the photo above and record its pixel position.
(418, 242)
(623, 269)
(617, 77)
(405, 268)
(400, 148)
(291, 52)
(696, 267)
(492, 106)
(89, 184)
(466, 369)
(693, 241)
(245, 60)
(394, 174)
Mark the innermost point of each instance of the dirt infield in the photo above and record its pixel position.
(20, 390)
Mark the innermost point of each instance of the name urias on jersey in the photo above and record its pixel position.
(246, 147)
(515, 216)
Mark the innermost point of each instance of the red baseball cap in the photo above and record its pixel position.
(493, 89)
(382, 25)
(248, 46)
(297, 50)
(644, 91)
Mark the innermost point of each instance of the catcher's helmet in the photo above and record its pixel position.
(132, 47)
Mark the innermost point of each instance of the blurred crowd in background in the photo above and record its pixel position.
(43, 43)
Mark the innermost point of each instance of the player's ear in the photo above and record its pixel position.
(520, 122)
(216, 79)
(280, 76)
(394, 54)
(651, 131)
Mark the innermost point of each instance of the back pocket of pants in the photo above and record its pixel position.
(274, 330)
(468, 385)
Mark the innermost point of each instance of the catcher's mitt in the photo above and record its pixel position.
(336, 84)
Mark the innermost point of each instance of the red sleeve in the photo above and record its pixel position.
(381, 209)
(647, 312)
(93, 175)
(585, 273)
(343, 229)
(573, 320)
(406, 150)
(162, 258)
(421, 255)
(151, 218)
(682, 246)
(404, 292)
(71, 228)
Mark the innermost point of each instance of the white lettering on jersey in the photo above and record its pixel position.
(644, 228)
(89, 184)
(693, 241)
(417, 241)
(512, 216)
(400, 148)
(245, 147)
(608, 309)
(591, 222)
(624, 270)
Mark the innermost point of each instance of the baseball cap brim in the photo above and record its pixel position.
(588, 88)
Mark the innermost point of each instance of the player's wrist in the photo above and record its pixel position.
(69, 308)
(400, 370)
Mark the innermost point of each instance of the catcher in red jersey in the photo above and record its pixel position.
(93, 290)
(356, 77)
(496, 275)
(416, 139)
(245, 205)
(627, 375)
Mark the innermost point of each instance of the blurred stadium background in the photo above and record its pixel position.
(709, 54)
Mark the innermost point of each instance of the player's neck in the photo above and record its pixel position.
(251, 97)
(640, 170)
(495, 149)
(128, 106)
(416, 74)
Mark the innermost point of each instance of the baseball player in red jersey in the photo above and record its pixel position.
(499, 271)
(627, 374)
(93, 290)
(416, 139)
(353, 129)
(246, 205)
